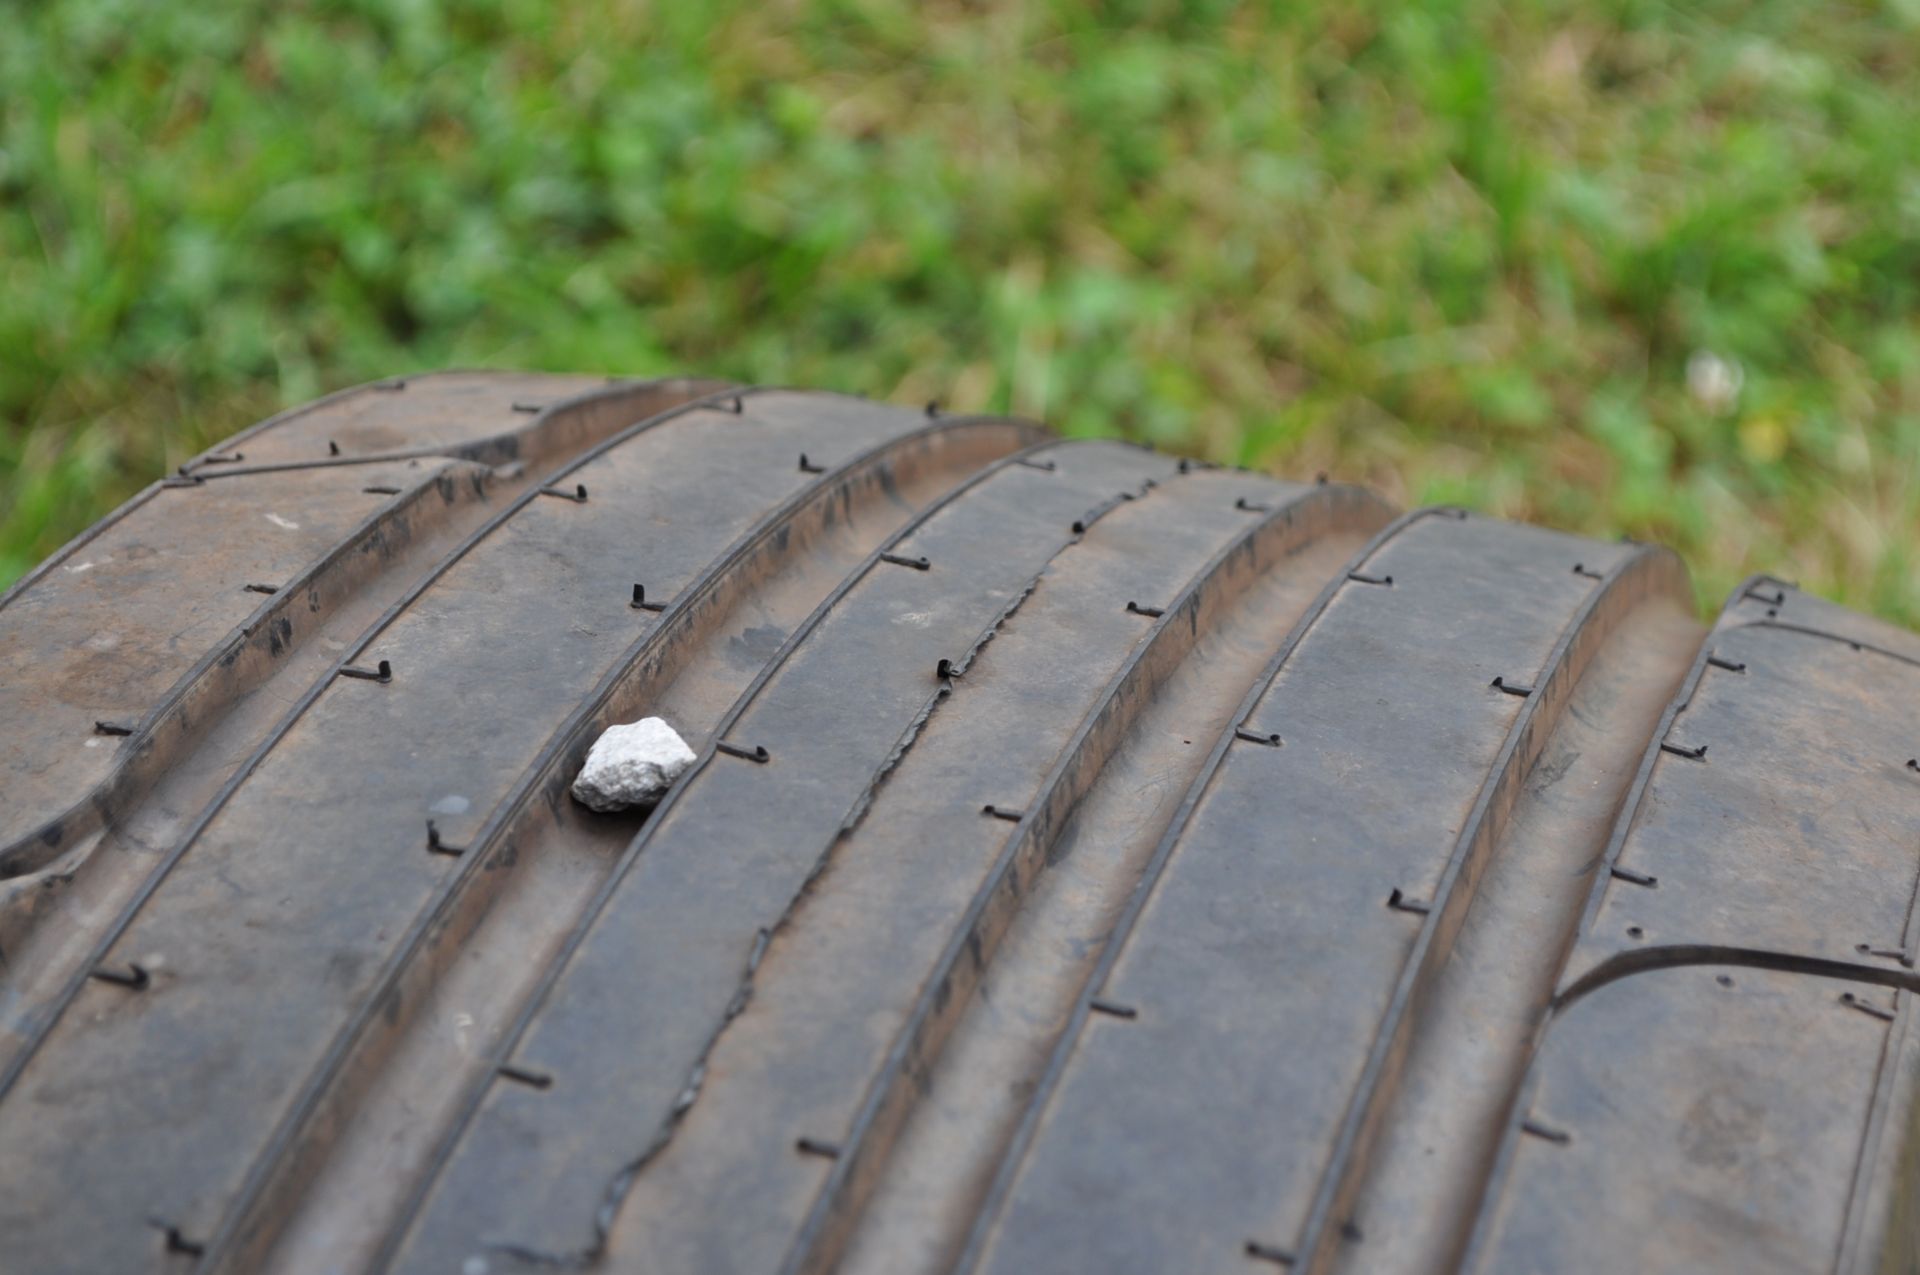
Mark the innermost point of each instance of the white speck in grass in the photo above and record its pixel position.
(286, 523)
(1714, 380)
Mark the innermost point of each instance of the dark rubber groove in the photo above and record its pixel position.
(977, 935)
(622, 1180)
(996, 1195)
(48, 1015)
(479, 854)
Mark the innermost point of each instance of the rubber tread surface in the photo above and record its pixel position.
(1092, 861)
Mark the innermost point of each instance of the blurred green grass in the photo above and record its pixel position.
(1464, 252)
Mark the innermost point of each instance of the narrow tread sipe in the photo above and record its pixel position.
(1091, 860)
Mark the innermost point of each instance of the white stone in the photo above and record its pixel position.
(632, 765)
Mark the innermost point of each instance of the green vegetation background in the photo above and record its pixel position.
(1460, 251)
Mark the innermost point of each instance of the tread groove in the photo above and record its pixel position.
(977, 935)
(1774, 941)
(483, 851)
(132, 769)
(205, 689)
(48, 1016)
(621, 1179)
(1581, 635)
(996, 1194)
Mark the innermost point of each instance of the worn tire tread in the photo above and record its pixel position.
(1246, 834)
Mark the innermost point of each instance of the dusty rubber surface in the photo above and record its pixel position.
(1092, 862)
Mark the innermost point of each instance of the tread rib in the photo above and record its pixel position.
(667, 936)
(1724, 1110)
(971, 1099)
(161, 663)
(1399, 675)
(525, 823)
(98, 640)
(304, 955)
(1468, 1057)
(320, 416)
(1015, 870)
(1783, 897)
(470, 415)
(1024, 1132)
(1639, 573)
(1800, 728)
(32, 1017)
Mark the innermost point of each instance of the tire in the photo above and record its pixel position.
(1093, 861)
